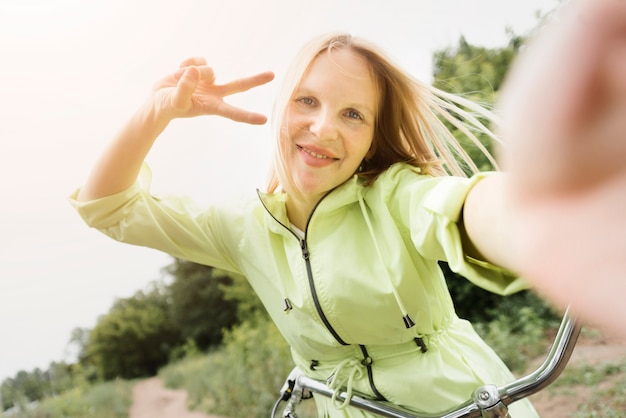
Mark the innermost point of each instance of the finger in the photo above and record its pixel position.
(566, 118)
(246, 83)
(197, 61)
(240, 115)
(565, 65)
(599, 34)
(206, 73)
(556, 89)
(186, 86)
(546, 69)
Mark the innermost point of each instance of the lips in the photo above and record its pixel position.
(316, 152)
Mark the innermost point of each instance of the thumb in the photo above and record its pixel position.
(186, 87)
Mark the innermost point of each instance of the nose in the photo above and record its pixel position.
(324, 125)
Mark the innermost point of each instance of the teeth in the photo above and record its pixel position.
(316, 155)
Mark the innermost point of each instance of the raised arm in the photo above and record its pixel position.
(486, 222)
(561, 207)
(188, 92)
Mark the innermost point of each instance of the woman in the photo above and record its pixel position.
(343, 249)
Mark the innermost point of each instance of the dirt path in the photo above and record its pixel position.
(152, 400)
(594, 351)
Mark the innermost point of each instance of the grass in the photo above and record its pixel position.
(105, 400)
(606, 385)
(240, 379)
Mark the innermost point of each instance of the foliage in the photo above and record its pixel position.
(477, 74)
(241, 378)
(197, 302)
(481, 306)
(516, 338)
(589, 375)
(24, 388)
(605, 402)
(248, 305)
(27, 387)
(608, 397)
(106, 400)
(135, 338)
(474, 71)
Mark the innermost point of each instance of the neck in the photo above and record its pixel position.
(299, 208)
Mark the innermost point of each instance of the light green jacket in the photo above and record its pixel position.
(346, 293)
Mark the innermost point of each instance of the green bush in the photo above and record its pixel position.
(106, 400)
(242, 378)
(516, 338)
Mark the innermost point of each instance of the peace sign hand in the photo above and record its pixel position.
(192, 91)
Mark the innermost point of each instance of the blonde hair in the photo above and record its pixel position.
(409, 126)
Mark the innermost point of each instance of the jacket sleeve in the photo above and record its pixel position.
(170, 224)
(431, 208)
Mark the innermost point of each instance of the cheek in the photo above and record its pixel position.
(291, 125)
(362, 146)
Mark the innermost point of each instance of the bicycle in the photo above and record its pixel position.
(487, 401)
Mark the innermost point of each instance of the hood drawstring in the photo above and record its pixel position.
(344, 375)
(406, 317)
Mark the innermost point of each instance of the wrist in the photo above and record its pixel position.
(151, 119)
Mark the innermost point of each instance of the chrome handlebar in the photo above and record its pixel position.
(488, 401)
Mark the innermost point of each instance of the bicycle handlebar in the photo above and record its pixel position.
(487, 400)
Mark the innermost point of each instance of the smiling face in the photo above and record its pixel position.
(328, 127)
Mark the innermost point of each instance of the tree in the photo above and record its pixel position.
(8, 393)
(24, 388)
(197, 302)
(250, 309)
(475, 73)
(135, 338)
(59, 377)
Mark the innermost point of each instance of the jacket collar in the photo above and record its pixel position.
(343, 195)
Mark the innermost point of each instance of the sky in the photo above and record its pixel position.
(73, 71)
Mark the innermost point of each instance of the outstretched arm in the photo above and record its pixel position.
(190, 91)
(562, 201)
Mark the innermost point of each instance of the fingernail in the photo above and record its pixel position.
(193, 73)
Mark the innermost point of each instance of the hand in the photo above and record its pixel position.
(191, 91)
(564, 117)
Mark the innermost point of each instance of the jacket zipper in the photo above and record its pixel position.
(318, 306)
(305, 255)
(367, 360)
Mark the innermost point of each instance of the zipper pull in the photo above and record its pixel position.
(305, 249)
(287, 307)
(408, 321)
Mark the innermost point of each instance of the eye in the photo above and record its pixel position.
(306, 101)
(353, 114)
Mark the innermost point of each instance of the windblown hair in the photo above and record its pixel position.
(409, 125)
